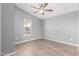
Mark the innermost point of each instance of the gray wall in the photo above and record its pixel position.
(78, 23)
(19, 25)
(0, 29)
(62, 28)
(78, 29)
(7, 27)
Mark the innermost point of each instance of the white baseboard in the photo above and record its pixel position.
(48, 39)
(10, 54)
(76, 45)
(27, 40)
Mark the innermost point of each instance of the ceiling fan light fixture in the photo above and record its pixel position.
(41, 11)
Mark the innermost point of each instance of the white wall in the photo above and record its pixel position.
(0, 28)
(7, 28)
(19, 25)
(62, 28)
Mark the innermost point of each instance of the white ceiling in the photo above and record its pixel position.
(59, 9)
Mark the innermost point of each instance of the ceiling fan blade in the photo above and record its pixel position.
(45, 5)
(43, 13)
(35, 11)
(34, 7)
(41, 6)
(49, 10)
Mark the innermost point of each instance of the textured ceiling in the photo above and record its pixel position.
(59, 9)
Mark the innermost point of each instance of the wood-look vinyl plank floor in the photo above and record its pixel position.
(43, 47)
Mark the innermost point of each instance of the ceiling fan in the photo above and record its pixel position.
(42, 9)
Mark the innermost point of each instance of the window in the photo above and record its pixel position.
(27, 27)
